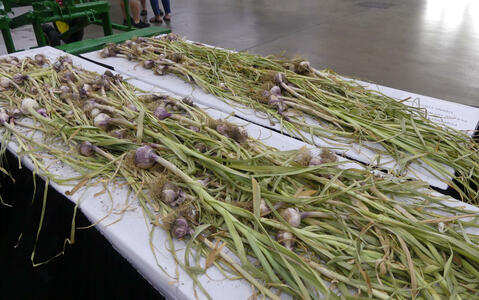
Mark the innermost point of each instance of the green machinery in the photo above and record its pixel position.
(72, 16)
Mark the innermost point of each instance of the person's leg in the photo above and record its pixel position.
(135, 11)
(156, 7)
(157, 11)
(122, 5)
(143, 8)
(166, 7)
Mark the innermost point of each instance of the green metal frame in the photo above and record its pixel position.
(81, 12)
(7, 36)
(98, 43)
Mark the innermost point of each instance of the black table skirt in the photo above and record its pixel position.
(89, 269)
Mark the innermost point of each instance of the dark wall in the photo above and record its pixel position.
(90, 269)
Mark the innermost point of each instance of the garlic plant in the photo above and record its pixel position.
(290, 90)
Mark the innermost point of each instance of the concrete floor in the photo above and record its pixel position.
(429, 47)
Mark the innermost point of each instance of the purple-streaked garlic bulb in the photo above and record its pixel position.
(194, 128)
(222, 129)
(95, 112)
(5, 82)
(279, 78)
(273, 99)
(188, 101)
(89, 105)
(144, 157)
(315, 161)
(4, 117)
(303, 67)
(180, 199)
(266, 94)
(169, 192)
(281, 107)
(148, 64)
(286, 239)
(102, 121)
(62, 62)
(104, 53)
(161, 69)
(291, 215)
(110, 74)
(139, 39)
(180, 228)
(86, 148)
(275, 90)
(119, 133)
(57, 65)
(40, 59)
(27, 104)
(19, 78)
(68, 77)
(64, 89)
(65, 92)
(161, 113)
(84, 90)
(101, 82)
(66, 60)
(42, 112)
(16, 113)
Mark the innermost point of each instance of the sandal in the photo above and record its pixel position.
(140, 24)
(167, 18)
(156, 19)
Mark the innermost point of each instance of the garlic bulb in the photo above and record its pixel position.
(27, 104)
(275, 90)
(5, 82)
(161, 113)
(144, 157)
(86, 148)
(4, 117)
(102, 121)
(169, 192)
(315, 161)
(291, 215)
(286, 239)
(279, 78)
(180, 228)
(95, 112)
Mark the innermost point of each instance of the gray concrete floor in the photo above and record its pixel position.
(429, 47)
